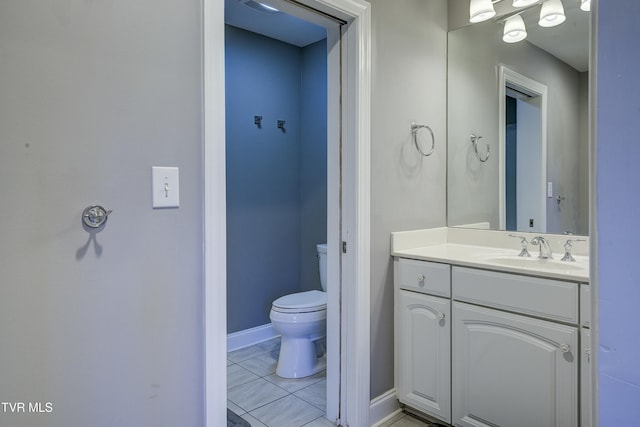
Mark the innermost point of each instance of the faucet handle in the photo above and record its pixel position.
(567, 249)
(525, 245)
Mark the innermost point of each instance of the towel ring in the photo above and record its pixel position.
(414, 132)
(474, 142)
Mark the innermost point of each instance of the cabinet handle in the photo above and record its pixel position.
(421, 277)
(587, 353)
(566, 348)
(440, 316)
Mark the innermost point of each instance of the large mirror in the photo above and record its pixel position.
(518, 124)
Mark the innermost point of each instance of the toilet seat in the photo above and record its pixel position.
(301, 302)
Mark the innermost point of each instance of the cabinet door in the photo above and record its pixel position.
(424, 353)
(512, 370)
(585, 379)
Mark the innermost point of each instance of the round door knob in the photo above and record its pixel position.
(440, 316)
(566, 348)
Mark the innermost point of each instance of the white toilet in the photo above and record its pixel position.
(301, 320)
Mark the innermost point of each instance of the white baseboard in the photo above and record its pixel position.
(251, 336)
(383, 408)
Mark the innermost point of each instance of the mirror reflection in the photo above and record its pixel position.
(518, 125)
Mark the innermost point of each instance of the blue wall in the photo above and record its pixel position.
(618, 203)
(314, 160)
(272, 188)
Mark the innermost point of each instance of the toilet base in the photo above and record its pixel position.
(299, 358)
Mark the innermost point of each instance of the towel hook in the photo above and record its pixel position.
(474, 142)
(414, 132)
(95, 216)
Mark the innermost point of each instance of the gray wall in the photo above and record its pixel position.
(474, 54)
(407, 191)
(107, 326)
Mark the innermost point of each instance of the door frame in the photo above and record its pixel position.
(507, 75)
(354, 152)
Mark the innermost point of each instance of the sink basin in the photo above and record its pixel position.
(536, 263)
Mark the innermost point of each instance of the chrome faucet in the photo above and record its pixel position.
(525, 245)
(545, 249)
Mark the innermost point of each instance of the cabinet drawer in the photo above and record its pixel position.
(424, 276)
(585, 306)
(551, 299)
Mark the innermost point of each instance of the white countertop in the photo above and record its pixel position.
(478, 249)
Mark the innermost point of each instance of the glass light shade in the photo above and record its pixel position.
(585, 5)
(523, 3)
(551, 13)
(514, 30)
(481, 10)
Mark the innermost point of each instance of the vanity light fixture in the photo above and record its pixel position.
(524, 3)
(481, 10)
(551, 13)
(514, 30)
(585, 5)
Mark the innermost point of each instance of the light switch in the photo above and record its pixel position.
(549, 189)
(165, 187)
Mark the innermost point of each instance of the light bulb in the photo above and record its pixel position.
(523, 3)
(585, 5)
(551, 13)
(481, 10)
(514, 30)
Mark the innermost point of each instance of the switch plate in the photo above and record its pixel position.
(165, 187)
(549, 189)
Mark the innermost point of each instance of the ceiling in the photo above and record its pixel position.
(248, 15)
(568, 41)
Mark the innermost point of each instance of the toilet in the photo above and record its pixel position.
(301, 320)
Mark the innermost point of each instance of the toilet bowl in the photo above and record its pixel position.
(301, 320)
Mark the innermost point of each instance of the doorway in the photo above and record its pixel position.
(276, 169)
(348, 212)
(522, 152)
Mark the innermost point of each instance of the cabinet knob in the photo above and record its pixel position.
(421, 277)
(566, 348)
(440, 316)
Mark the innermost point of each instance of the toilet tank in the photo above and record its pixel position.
(322, 264)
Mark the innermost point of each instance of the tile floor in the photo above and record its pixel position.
(405, 420)
(262, 398)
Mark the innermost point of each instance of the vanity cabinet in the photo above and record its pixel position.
(423, 336)
(585, 356)
(425, 340)
(585, 379)
(478, 347)
(512, 370)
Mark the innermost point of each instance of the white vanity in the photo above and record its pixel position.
(484, 337)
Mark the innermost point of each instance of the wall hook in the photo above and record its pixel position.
(414, 131)
(281, 125)
(257, 120)
(474, 142)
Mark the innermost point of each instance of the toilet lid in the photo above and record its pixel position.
(309, 300)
